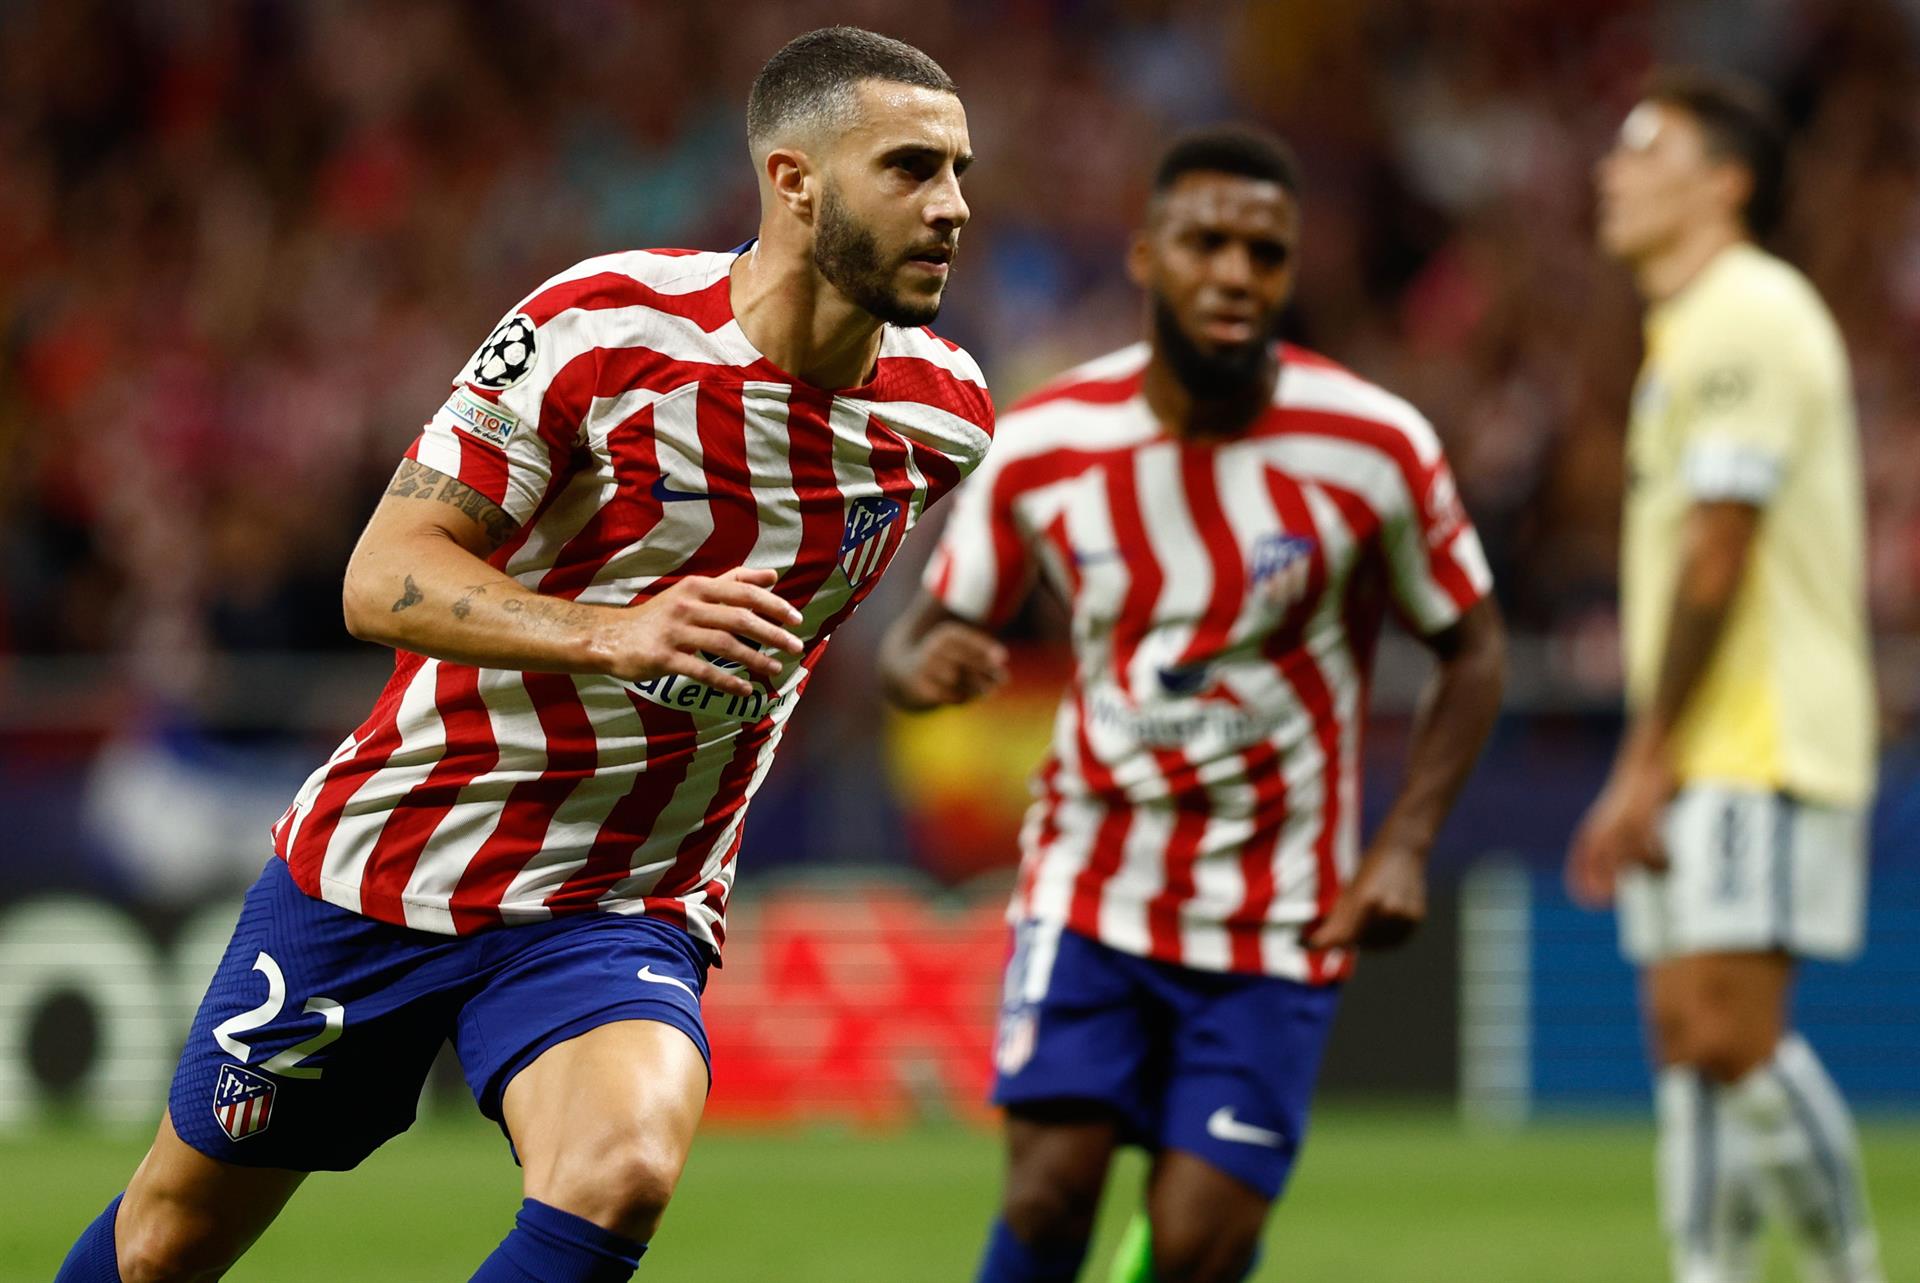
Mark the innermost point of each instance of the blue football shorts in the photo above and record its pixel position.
(320, 1026)
(1218, 1065)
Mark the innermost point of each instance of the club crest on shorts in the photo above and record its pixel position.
(242, 1102)
(864, 542)
(1019, 1035)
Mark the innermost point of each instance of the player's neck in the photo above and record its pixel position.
(799, 322)
(1189, 416)
(1676, 265)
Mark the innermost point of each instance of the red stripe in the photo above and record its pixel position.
(1417, 476)
(520, 833)
(470, 751)
(1300, 670)
(823, 508)
(690, 862)
(1201, 485)
(1192, 806)
(916, 379)
(1110, 839)
(625, 519)
(671, 747)
(1087, 391)
(709, 307)
(1259, 857)
(1135, 620)
(379, 736)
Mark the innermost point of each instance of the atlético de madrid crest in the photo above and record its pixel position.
(864, 543)
(242, 1102)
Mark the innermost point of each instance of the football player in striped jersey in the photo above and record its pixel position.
(1228, 519)
(607, 567)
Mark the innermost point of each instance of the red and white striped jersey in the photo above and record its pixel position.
(1200, 801)
(622, 418)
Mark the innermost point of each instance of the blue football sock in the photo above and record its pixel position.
(1008, 1260)
(551, 1246)
(93, 1258)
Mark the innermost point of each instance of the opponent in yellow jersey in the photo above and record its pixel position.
(1745, 398)
(1731, 829)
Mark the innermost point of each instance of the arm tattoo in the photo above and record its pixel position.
(417, 481)
(464, 607)
(412, 597)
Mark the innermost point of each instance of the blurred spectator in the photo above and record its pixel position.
(244, 245)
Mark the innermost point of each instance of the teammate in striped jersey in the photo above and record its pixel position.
(608, 565)
(1228, 520)
(1733, 826)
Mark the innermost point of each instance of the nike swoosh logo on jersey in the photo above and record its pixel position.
(667, 494)
(1222, 1125)
(1093, 557)
(648, 974)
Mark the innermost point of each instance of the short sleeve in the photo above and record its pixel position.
(1735, 403)
(983, 566)
(509, 427)
(1437, 568)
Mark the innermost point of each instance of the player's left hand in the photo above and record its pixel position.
(1383, 906)
(1621, 829)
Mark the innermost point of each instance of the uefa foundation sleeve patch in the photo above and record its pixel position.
(492, 423)
(242, 1102)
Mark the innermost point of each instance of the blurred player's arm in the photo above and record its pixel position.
(930, 656)
(1387, 899)
(1623, 826)
(419, 580)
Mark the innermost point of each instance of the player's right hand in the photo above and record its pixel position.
(953, 664)
(683, 629)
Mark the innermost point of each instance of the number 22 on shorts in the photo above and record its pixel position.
(287, 1064)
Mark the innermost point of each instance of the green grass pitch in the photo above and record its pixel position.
(1382, 1196)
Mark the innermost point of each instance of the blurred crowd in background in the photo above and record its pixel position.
(244, 246)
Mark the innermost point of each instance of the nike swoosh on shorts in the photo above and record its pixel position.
(648, 974)
(1222, 1125)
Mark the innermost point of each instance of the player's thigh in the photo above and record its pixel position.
(1720, 1012)
(1058, 1154)
(1246, 1058)
(186, 1214)
(315, 1036)
(586, 1043)
(603, 1122)
(1206, 1224)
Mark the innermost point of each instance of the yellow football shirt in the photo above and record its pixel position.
(1745, 396)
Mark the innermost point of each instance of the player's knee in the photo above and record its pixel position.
(623, 1186)
(1050, 1208)
(1717, 1043)
(161, 1248)
(1201, 1253)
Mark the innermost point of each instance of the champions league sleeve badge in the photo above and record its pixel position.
(507, 356)
(242, 1102)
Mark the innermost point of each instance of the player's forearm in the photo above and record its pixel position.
(429, 595)
(1457, 711)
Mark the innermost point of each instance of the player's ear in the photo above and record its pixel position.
(1140, 258)
(787, 171)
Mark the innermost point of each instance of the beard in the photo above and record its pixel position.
(847, 254)
(1228, 374)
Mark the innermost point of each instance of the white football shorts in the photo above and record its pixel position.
(1749, 871)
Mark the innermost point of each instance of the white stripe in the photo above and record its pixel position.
(476, 813)
(684, 523)
(961, 440)
(423, 742)
(1304, 387)
(1141, 875)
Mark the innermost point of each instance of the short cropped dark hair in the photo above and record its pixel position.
(812, 79)
(1241, 150)
(1739, 123)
